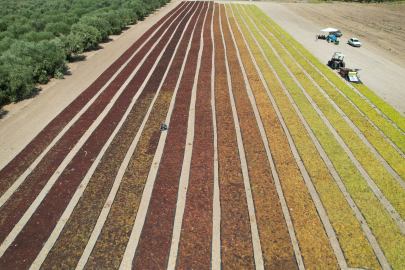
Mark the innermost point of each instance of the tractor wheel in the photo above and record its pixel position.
(334, 65)
(329, 63)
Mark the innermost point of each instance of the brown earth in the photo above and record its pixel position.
(21, 122)
(380, 27)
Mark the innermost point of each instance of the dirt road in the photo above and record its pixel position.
(382, 67)
(263, 162)
(22, 121)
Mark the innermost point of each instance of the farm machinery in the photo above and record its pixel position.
(350, 74)
(331, 38)
(336, 61)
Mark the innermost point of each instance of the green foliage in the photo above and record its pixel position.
(6, 43)
(36, 37)
(58, 28)
(114, 20)
(5, 34)
(37, 25)
(141, 8)
(102, 25)
(71, 19)
(16, 79)
(3, 25)
(18, 29)
(88, 36)
(26, 63)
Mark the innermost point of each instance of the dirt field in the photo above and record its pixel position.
(207, 136)
(380, 28)
(382, 69)
(21, 122)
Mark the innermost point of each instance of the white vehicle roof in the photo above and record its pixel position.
(329, 30)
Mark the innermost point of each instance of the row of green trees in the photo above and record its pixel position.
(371, 1)
(39, 37)
(366, 1)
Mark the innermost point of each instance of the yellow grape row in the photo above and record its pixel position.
(306, 221)
(378, 219)
(274, 238)
(395, 160)
(342, 218)
(394, 134)
(391, 188)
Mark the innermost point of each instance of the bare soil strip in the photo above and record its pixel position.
(60, 194)
(154, 244)
(94, 197)
(184, 181)
(51, 161)
(15, 168)
(236, 85)
(374, 173)
(354, 182)
(275, 240)
(236, 249)
(216, 202)
(118, 227)
(196, 233)
(307, 225)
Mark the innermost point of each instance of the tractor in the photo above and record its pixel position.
(337, 61)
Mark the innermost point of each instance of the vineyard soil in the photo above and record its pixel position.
(21, 122)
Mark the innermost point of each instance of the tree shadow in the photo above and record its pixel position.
(3, 113)
(77, 58)
(34, 93)
(67, 72)
(95, 48)
(107, 40)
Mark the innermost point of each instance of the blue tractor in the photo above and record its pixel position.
(332, 38)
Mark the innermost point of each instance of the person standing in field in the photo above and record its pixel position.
(163, 126)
